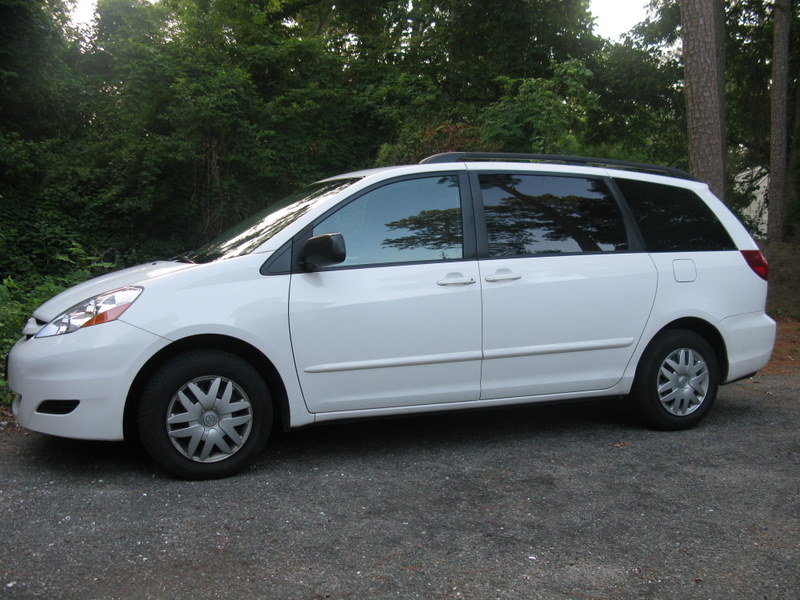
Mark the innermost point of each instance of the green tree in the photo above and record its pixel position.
(543, 115)
(640, 112)
(39, 106)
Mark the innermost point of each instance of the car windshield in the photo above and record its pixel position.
(251, 233)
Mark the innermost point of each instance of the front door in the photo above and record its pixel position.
(399, 322)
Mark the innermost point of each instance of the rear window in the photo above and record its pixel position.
(673, 219)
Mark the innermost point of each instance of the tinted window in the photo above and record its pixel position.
(406, 221)
(543, 214)
(673, 219)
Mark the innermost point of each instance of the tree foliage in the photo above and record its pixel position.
(168, 121)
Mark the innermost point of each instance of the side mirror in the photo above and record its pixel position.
(322, 251)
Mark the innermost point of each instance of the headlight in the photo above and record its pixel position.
(103, 308)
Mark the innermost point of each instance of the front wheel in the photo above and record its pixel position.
(205, 414)
(676, 381)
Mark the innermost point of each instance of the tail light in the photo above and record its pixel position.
(757, 262)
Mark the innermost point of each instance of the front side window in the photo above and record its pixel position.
(414, 220)
(545, 214)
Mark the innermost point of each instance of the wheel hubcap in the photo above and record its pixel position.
(209, 419)
(682, 382)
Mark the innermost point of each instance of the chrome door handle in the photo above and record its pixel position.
(503, 276)
(456, 281)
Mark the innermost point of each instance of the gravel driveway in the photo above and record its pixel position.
(548, 502)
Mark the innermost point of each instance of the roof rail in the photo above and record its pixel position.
(557, 159)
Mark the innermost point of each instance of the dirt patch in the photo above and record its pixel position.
(786, 355)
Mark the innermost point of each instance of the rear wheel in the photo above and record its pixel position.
(205, 414)
(676, 381)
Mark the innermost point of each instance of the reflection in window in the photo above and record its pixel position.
(406, 221)
(253, 232)
(541, 214)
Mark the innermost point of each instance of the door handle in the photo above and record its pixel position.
(503, 275)
(456, 280)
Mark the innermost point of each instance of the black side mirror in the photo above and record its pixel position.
(323, 250)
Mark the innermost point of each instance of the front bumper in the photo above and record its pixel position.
(86, 375)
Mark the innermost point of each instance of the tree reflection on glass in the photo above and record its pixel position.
(430, 229)
(537, 214)
(411, 220)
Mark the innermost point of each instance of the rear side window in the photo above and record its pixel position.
(673, 219)
(545, 214)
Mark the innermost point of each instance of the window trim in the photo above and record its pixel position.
(635, 237)
(467, 223)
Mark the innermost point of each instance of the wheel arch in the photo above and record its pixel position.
(708, 332)
(243, 350)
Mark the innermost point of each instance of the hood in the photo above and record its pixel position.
(105, 283)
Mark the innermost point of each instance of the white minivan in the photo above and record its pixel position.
(469, 280)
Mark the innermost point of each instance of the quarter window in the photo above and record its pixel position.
(544, 214)
(673, 219)
(406, 221)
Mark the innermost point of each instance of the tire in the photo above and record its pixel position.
(205, 414)
(676, 381)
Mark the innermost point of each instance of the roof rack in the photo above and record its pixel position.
(557, 159)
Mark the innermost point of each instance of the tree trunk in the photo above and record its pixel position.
(779, 125)
(324, 19)
(791, 221)
(703, 23)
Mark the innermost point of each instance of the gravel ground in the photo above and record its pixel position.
(570, 501)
